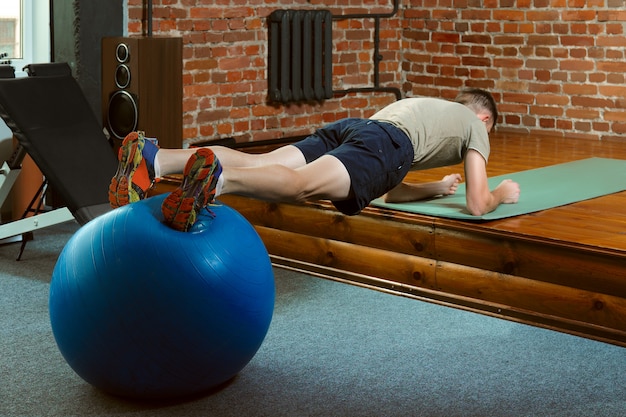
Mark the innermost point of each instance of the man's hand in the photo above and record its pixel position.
(480, 200)
(449, 184)
(508, 191)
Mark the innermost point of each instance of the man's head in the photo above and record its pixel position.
(480, 102)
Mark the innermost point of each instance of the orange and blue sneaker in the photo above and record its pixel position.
(135, 170)
(180, 208)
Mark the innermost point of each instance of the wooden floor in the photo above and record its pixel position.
(562, 269)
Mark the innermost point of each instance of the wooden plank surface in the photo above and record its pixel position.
(595, 222)
(562, 269)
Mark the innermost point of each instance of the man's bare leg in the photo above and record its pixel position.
(324, 178)
(172, 161)
(206, 178)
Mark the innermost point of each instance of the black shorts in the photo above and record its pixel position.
(377, 155)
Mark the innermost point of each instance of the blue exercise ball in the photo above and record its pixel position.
(141, 310)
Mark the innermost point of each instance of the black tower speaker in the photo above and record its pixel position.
(142, 88)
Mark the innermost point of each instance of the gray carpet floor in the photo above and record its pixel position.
(332, 350)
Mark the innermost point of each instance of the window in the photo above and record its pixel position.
(25, 32)
(11, 42)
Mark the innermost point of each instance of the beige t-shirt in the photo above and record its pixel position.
(441, 131)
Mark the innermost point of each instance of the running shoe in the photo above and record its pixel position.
(180, 208)
(135, 173)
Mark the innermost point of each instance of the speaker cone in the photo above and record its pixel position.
(122, 114)
(122, 53)
(122, 76)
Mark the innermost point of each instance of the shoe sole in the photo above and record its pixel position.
(180, 208)
(121, 191)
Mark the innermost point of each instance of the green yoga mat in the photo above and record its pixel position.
(541, 189)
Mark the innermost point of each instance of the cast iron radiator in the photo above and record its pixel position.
(300, 55)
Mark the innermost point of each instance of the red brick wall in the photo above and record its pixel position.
(555, 66)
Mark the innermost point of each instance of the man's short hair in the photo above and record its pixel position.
(478, 99)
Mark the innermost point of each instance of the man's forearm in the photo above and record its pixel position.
(414, 192)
